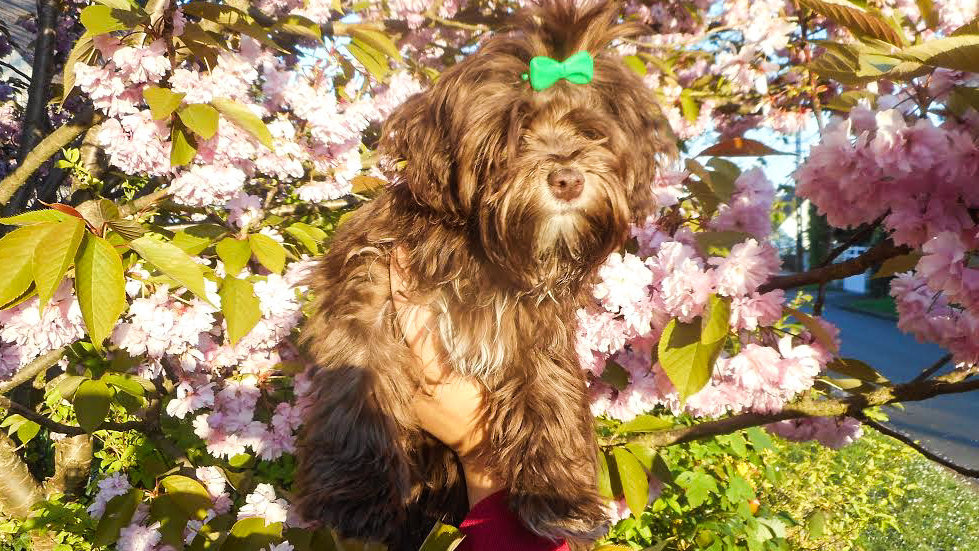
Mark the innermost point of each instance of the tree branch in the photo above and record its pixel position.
(18, 489)
(31, 370)
(875, 255)
(72, 463)
(940, 459)
(932, 369)
(809, 407)
(70, 430)
(141, 203)
(37, 94)
(82, 121)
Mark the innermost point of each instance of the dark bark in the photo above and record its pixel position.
(35, 119)
(875, 255)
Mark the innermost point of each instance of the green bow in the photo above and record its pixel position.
(545, 71)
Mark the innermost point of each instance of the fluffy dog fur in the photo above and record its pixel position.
(503, 262)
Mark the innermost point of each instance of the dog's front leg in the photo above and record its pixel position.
(356, 454)
(542, 441)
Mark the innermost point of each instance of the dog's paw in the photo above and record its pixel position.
(581, 518)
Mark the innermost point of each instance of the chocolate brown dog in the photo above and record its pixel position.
(508, 195)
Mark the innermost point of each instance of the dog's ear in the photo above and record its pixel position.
(651, 142)
(417, 137)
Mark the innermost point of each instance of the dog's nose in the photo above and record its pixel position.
(566, 183)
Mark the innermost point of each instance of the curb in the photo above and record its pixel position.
(854, 309)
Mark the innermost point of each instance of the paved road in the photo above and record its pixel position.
(946, 424)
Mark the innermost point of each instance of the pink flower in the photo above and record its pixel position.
(746, 267)
(116, 484)
(750, 312)
(136, 537)
(262, 503)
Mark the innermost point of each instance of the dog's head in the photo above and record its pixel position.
(544, 181)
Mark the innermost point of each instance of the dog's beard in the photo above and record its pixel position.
(543, 242)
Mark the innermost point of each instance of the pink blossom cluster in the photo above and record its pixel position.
(919, 175)
(832, 432)
(750, 207)
(26, 332)
(922, 181)
(635, 299)
(927, 314)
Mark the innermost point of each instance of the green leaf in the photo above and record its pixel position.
(188, 494)
(897, 265)
(53, 254)
(126, 383)
(717, 323)
(34, 217)
(303, 237)
(118, 512)
(182, 147)
(372, 60)
(245, 119)
(126, 229)
(738, 444)
(697, 486)
(928, 13)
(604, 479)
(302, 26)
(759, 438)
(856, 369)
(815, 328)
(234, 253)
(635, 485)
(644, 454)
(251, 534)
(740, 147)
(313, 231)
(816, 524)
(738, 489)
(615, 375)
(200, 118)
(67, 386)
(194, 239)
(173, 262)
(82, 52)
(689, 106)
(644, 423)
(687, 351)
(16, 255)
(954, 52)
(268, 251)
(100, 285)
(98, 212)
(240, 307)
(172, 518)
(442, 537)
(91, 403)
(636, 64)
(719, 241)
(376, 40)
(101, 19)
(162, 101)
(27, 431)
(856, 19)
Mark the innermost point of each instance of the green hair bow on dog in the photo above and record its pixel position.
(545, 71)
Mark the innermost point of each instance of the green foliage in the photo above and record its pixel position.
(687, 351)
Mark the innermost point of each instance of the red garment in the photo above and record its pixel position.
(492, 526)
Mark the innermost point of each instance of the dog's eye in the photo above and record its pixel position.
(592, 134)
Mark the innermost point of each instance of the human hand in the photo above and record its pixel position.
(447, 405)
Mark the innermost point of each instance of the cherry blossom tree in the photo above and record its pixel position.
(170, 171)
